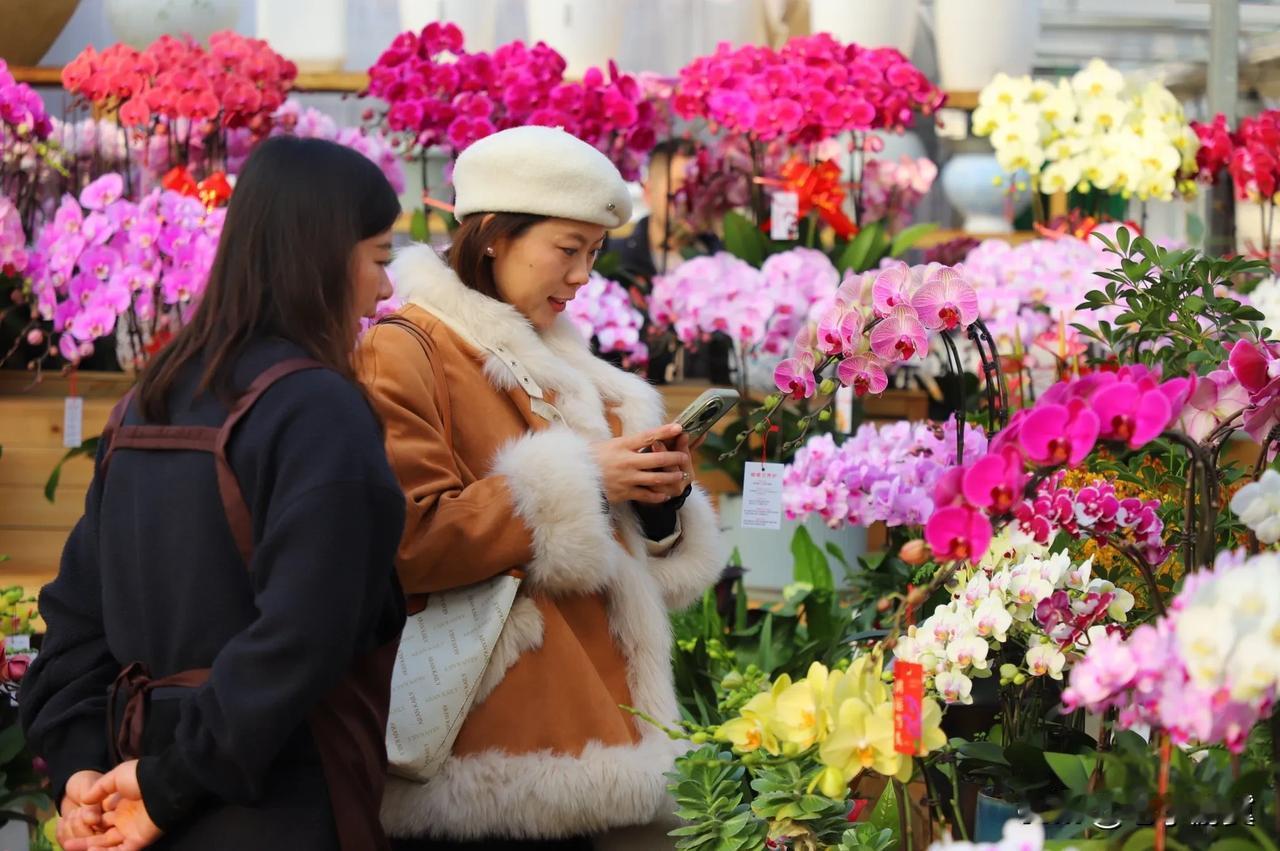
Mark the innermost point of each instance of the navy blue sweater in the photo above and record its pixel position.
(151, 574)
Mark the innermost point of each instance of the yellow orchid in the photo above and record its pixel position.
(801, 716)
(753, 728)
(862, 740)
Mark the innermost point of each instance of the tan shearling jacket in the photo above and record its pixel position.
(488, 430)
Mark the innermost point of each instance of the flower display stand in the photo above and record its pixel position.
(32, 529)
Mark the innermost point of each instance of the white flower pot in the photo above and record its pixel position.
(970, 183)
(476, 18)
(312, 33)
(766, 553)
(871, 23)
(587, 33)
(15, 836)
(140, 22)
(976, 39)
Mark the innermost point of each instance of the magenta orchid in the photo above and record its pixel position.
(995, 482)
(1051, 434)
(811, 89)
(958, 533)
(438, 93)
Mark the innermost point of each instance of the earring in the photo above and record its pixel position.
(489, 251)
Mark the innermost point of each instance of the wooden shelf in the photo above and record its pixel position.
(961, 100)
(938, 237)
(339, 82)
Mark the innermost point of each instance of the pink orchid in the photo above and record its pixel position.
(892, 288)
(995, 482)
(1130, 415)
(946, 301)
(864, 374)
(794, 376)
(957, 533)
(900, 335)
(102, 192)
(1051, 435)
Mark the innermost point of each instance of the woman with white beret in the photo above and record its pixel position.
(517, 448)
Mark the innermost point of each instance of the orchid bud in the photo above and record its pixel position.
(914, 553)
(35, 337)
(883, 604)
(772, 400)
(828, 386)
(1019, 678)
(824, 416)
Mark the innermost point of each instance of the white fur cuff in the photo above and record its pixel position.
(541, 795)
(697, 559)
(558, 493)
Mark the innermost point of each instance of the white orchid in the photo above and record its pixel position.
(968, 651)
(954, 687)
(1046, 660)
(992, 620)
(1097, 80)
(1092, 131)
(1257, 504)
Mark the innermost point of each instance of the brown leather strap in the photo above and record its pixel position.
(134, 684)
(233, 501)
(113, 425)
(190, 438)
(442, 387)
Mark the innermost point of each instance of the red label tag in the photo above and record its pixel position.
(908, 696)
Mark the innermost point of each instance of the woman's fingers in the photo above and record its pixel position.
(661, 434)
(665, 480)
(658, 460)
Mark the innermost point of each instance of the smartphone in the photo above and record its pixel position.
(705, 411)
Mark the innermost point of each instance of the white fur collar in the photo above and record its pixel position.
(558, 359)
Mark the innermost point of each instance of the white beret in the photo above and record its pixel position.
(540, 170)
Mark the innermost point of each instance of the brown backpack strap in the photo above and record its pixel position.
(113, 425)
(442, 393)
(233, 502)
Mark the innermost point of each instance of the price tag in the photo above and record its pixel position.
(17, 643)
(952, 124)
(73, 422)
(762, 496)
(844, 409)
(908, 699)
(784, 216)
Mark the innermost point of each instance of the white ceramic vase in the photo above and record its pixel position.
(476, 18)
(976, 39)
(587, 33)
(870, 23)
(766, 553)
(312, 33)
(970, 183)
(140, 22)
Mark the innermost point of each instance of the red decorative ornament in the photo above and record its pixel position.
(179, 180)
(818, 187)
(214, 190)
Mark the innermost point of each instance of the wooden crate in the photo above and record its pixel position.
(32, 529)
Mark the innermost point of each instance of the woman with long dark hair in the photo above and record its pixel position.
(221, 631)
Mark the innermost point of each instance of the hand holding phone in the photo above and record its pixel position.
(631, 473)
(704, 412)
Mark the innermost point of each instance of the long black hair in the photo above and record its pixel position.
(283, 266)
